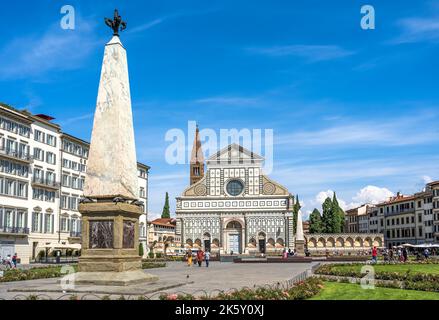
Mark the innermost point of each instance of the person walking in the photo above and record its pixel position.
(374, 255)
(189, 258)
(426, 253)
(404, 254)
(207, 258)
(14, 260)
(391, 255)
(9, 261)
(200, 256)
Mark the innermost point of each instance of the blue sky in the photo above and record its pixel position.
(350, 108)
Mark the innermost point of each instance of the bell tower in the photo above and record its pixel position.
(197, 160)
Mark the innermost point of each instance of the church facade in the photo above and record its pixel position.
(232, 206)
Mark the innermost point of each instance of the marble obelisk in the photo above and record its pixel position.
(110, 209)
(300, 238)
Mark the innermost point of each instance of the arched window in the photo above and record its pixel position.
(234, 225)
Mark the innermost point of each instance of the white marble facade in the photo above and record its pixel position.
(235, 207)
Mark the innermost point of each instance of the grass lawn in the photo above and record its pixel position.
(400, 268)
(349, 291)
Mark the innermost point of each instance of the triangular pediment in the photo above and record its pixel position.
(235, 153)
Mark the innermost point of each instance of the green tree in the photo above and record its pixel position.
(166, 213)
(327, 216)
(141, 249)
(315, 222)
(338, 214)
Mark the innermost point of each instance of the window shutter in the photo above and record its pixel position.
(40, 218)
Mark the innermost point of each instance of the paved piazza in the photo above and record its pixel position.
(173, 279)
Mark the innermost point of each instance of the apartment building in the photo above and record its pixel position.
(435, 207)
(42, 172)
(402, 219)
(376, 220)
(424, 214)
(355, 219)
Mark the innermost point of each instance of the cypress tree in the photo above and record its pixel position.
(315, 222)
(327, 217)
(141, 252)
(338, 215)
(166, 213)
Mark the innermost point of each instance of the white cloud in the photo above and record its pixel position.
(76, 119)
(145, 26)
(153, 215)
(425, 29)
(172, 182)
(312, 53)
(56, 49)
(367, 133)
(227, 100)
(372, 195)
(323, 195)
(427, 179)
(369, 194)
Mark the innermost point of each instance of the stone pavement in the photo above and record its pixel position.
(175, 278)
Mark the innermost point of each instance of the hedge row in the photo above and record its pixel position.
(301, 291)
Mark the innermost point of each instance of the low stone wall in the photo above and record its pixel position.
(273, 260)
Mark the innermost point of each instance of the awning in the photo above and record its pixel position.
(423, 246)
(60, 246)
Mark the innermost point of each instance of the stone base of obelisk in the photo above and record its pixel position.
(110, 242)
(300, 248)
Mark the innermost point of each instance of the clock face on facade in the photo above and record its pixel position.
(235, 188)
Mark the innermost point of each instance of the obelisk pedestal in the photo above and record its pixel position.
(110, 239)
(110, 210)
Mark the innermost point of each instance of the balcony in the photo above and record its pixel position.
(75, 237)
(398, 212)
(15, 231)
(16, 155)
(45, 183)
(75, 234)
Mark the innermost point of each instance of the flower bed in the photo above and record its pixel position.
(407, 280)
(152, 265)
(164, 259)
(301, 291)
(52, 272)
(32, 274)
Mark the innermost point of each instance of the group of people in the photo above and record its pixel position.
(288, 253)
(401, 254)
(390, 255)
(9, 262)
(199, 256)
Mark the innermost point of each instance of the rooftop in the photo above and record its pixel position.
(397, 199)
(434, 183)
(164, 222)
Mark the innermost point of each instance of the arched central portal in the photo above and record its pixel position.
(233, 234)
(262, 242)
(207, 243)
